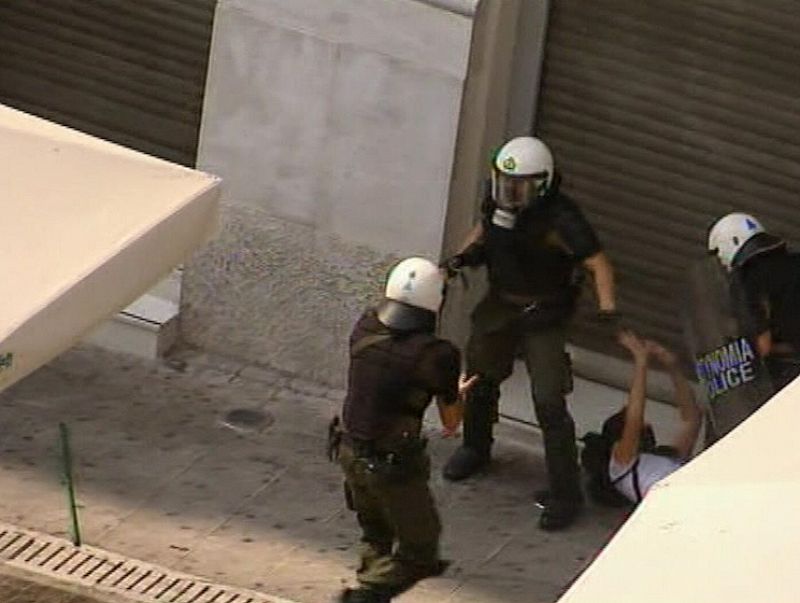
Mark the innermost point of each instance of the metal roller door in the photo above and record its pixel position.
(129, 71)
(664, 115)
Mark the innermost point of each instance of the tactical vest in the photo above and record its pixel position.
(383, 402)
(531, 259)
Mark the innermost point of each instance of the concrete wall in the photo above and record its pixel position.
(333, 124)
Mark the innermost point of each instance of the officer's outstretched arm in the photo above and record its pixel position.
(603, 275)
(471, 252)
(452, 414)
(475, 235)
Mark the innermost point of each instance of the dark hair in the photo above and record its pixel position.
(615, 424)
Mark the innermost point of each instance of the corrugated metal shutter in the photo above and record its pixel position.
(664, 115)
(131, 71)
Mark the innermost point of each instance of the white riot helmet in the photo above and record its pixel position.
(522, 172)
(414, 294)
(738, 237)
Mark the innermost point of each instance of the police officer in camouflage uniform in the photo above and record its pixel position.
(533, 240)
(397, 365)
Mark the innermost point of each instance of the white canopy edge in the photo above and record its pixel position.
(723, 529)
(86, 227)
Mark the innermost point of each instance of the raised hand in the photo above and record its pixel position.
(452, 414)
(665, 356)
(465, 384)
(636, 346)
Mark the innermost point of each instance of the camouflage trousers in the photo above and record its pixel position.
(399, 522)
(499, 335)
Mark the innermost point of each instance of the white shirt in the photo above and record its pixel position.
(651, 469)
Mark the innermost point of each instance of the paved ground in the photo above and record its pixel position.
(16, 587)
(162, 478)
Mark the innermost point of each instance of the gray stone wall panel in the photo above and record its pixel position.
(278, 294)
(333, 124)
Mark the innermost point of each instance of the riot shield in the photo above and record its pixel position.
(726, 361)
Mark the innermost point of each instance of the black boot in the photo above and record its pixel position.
(563, 502)
(464, 463)
(480, 412)
(559, 514)
(542, 498)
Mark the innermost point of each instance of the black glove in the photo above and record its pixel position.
(452, 265)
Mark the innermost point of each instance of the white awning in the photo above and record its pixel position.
(86, 226)
(723, 529)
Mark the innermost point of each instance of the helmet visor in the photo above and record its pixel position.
(515, 193)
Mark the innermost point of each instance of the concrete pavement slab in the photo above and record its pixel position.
(161, 477)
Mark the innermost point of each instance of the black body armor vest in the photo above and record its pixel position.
(531, 259)
(383, 400)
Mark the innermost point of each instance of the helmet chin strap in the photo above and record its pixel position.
(504, 218)
(404, 317)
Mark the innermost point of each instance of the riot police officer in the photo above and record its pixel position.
(397, 365)
(768, 277)
(533, 240)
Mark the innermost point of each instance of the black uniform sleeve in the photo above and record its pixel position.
(575, 230)
(438, 370)
(475, 253)
(488, 204)
(754, 284)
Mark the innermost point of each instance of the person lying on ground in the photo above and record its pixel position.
(636, 463)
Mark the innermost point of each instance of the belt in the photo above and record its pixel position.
(530, 303)
(356, 442)
(363, 447)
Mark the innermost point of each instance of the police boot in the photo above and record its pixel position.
(480, 413)
(559, 514)
(563, 502)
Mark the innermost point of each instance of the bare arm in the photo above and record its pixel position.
(690, 413)
(603, 275)
(452, 414)
(475, 235)
(627, 447)
(691, 416)
(764, 343)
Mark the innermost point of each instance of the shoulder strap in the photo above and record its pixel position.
(636, 487)
(633, 471)
(365, 342)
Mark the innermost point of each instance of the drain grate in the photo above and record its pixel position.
(112, 573)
